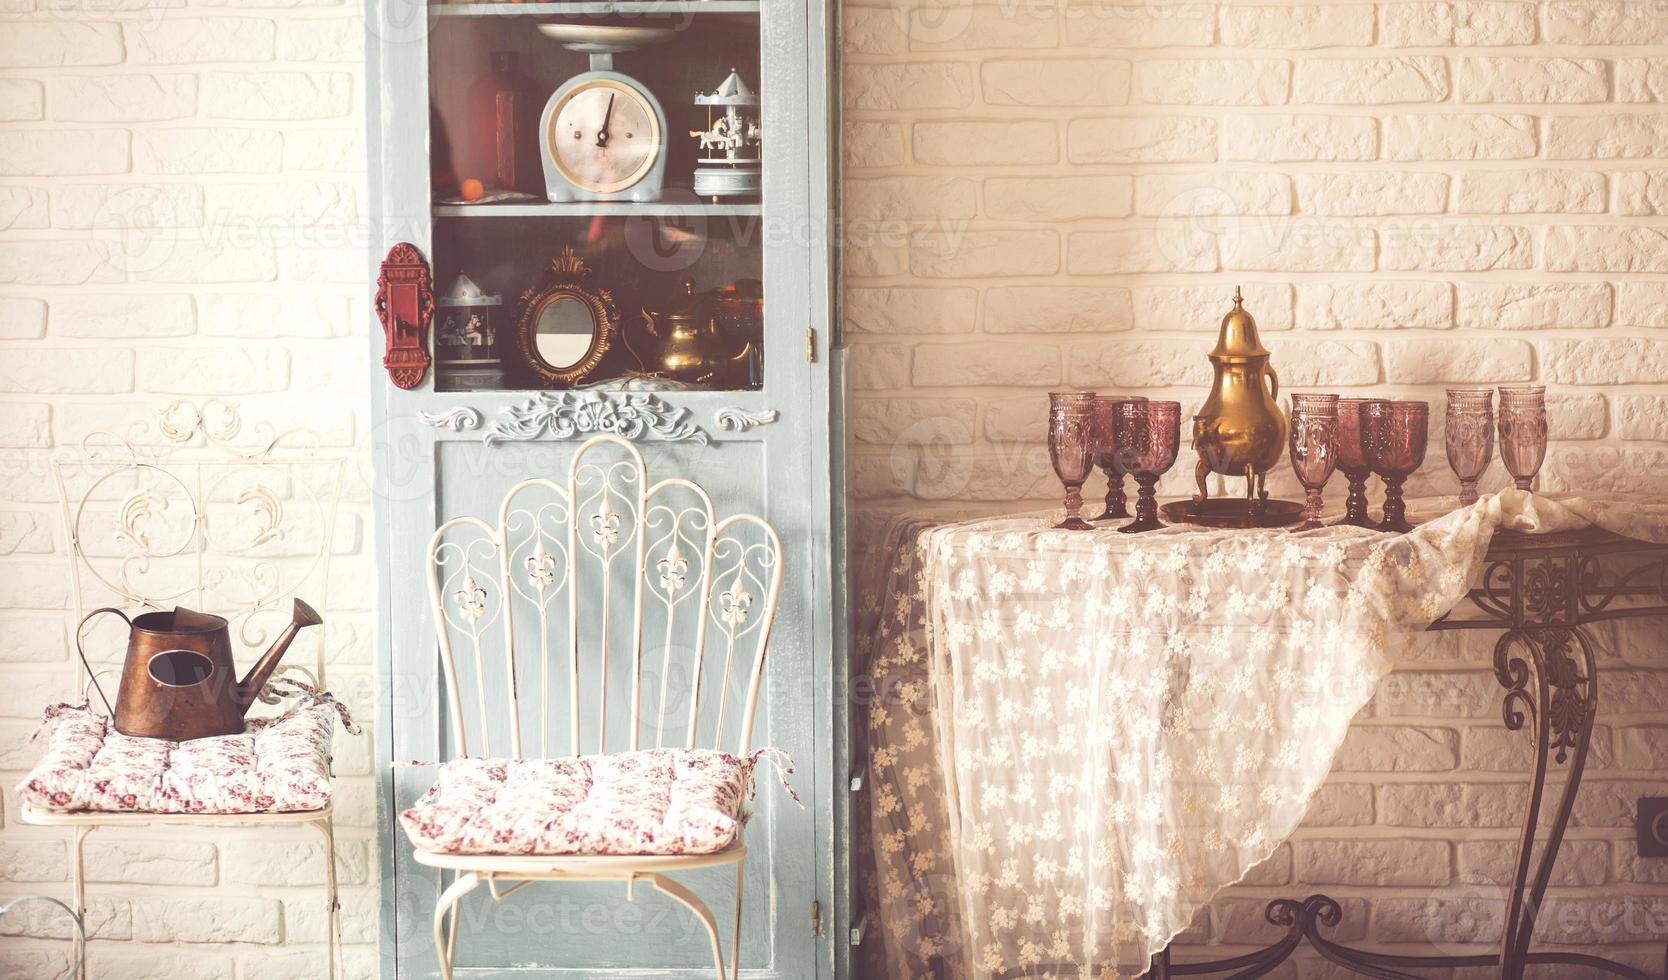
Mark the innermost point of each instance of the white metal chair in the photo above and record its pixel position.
(570, 574)
(190, 509)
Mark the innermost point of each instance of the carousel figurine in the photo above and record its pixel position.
(467, 338)
(729, 146)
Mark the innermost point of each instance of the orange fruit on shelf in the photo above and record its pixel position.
(471, 189)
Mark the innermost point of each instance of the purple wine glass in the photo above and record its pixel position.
(1353, 457)
(1468, 434)
(1153, 430)
(1113, 462)
(1071, 426)
(1523, 429)
(1397, 437)
(1314, 450)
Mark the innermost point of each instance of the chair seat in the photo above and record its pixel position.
(279, 765)
(650, 802)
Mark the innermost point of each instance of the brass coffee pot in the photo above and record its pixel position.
(691, 344)
(1240, 430)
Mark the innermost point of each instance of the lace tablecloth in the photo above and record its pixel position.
(1075, 740)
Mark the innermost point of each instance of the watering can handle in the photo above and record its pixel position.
(89, 667)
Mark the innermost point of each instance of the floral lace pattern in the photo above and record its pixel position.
(654, 801)
(279, 765)
(1076, 739)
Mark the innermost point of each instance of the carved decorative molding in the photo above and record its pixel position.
(457, 419)
(566, 414)
(737, 420)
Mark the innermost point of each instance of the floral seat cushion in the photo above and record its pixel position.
(278, 765)
(650, 802)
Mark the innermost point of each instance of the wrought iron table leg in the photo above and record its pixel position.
(1554, 692)
(1550, 678)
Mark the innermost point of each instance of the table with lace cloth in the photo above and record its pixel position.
(1074, 740)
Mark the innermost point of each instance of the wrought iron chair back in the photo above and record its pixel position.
(598, 566)
(194, 508)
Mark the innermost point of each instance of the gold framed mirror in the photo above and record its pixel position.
(565, 327)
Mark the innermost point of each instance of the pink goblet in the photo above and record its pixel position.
(1353, 458)
(1153, 431)
(1314, 450)
(1398, 434)
(1071, 448)
(1469, 437)
(1108, 456)
(1523, 430)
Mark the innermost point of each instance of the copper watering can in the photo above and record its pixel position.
(179, 681)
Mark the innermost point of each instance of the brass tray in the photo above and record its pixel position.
(1232, 512)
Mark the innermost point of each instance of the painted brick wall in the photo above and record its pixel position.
(181, 208)
(1412, 194)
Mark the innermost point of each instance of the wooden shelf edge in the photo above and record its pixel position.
(587, 209)
(594, 8)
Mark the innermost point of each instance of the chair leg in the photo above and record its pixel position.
(452, 926)
(333, 906)
(735, 941)
(462, 885)
(78, 884)
(689, 900)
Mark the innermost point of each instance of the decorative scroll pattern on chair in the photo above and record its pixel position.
(579, 573)
(197, 507)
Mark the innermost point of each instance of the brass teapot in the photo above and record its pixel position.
(691, 345)
(1240, 430)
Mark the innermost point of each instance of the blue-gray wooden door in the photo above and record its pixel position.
(427, 471)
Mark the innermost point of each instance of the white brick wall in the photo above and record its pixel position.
(1412, 194)
(167, 174)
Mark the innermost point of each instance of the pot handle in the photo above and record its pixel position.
(625, 338)
(79, 629)
(1273, 377)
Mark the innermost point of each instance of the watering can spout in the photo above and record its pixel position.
(302, 617)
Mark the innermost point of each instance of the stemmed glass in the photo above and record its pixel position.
(1071, 447)
(1523, 431)
(1314, 450)
(1353, 458)
(1397, 435)
(1112, 460)
(1152, 431)
(1469, 436)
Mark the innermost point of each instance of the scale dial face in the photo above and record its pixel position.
(604, 136)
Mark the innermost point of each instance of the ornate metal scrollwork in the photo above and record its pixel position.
(195, 505)
(1548, 590)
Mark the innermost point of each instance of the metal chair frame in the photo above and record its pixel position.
(604, 519)
(192, 457)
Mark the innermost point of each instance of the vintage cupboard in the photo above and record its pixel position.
(610, 216)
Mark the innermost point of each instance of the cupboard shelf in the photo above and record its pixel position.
(582, 209)
(595, 8)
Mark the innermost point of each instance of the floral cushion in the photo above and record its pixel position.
(278, 765)
(656, 801)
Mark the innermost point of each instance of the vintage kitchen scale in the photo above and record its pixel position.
(1239, 431)
(602, 136)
